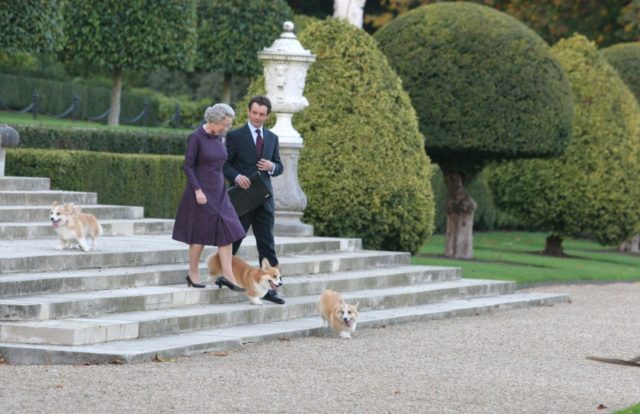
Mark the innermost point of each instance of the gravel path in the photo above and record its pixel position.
(522, 361)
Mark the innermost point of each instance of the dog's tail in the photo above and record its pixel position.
(214, 265)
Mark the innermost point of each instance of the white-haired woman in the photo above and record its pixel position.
(205, 215)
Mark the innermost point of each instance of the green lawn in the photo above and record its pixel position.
(15, 118)
(631, 410)
(515, 256)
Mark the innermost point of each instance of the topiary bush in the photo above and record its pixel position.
(593, 188)
(362, 167)
(485, 87)
(625, 58)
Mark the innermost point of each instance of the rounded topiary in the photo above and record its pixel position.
(485, 87)
(483, 84)
(593, 188)
(362, 167)
(625, 58)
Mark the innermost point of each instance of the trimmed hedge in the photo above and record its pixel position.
(592, 189)
(56, 97)
(103, 139)
(484, 85)
(625, 58)
(153, 181)
(363, 167)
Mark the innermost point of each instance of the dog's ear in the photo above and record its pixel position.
(265, 264)
(55, 203)
(356, 306)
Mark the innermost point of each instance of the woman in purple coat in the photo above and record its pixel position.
(205, 215)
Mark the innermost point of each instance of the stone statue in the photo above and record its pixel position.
(351, 10)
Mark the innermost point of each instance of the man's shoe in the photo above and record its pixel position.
(272, 296)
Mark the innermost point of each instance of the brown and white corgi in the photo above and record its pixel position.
(256, 281)
(341, 316)
(73, 226)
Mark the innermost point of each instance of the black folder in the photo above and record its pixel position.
(253, 197)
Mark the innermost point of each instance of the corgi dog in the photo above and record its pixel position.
(342, 317)
(73, 226)
(256, 281)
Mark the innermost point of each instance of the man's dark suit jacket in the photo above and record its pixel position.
(242, 157)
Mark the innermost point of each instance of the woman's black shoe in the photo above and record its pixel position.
(195, 285)
(221, 280)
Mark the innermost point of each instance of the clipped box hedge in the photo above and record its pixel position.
(155, 182)
(103, 139)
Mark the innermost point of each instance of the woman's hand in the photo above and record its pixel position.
(200, 197)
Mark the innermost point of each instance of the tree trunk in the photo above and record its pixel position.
(460, 210)
(116, 92)
(553, 246)
(631, 246)
(226, 88)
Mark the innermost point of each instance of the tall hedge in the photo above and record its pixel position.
(625, 58)
(155, 182)
(593, 188)
(363, 167)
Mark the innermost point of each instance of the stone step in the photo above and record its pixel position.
(35, 198)
(24, 284)
(89, 303)
(122, 299)
(41, 255)
(16, 214)
(233, 337)
(110, 228)
(168, 310)
(24, 184)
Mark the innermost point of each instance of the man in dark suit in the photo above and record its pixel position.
(252, 148)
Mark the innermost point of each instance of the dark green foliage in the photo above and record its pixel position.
(301, 22)
(592, 189)
(483, 84)
(625, 58)
(102, 140)
(117, 35)
(56, 97)
(231, 32)
(30, 26)
(362, 167)
(152, 181)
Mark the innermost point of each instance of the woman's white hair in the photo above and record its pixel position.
(218, 112)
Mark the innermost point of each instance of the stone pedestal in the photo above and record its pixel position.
(285, 68)
(290, 200)
(8, 138)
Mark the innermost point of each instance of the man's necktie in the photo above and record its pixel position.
(259, 143)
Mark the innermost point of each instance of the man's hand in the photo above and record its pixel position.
(243, 181)
(265, 165)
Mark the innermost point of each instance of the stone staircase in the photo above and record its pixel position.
(128, 301)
